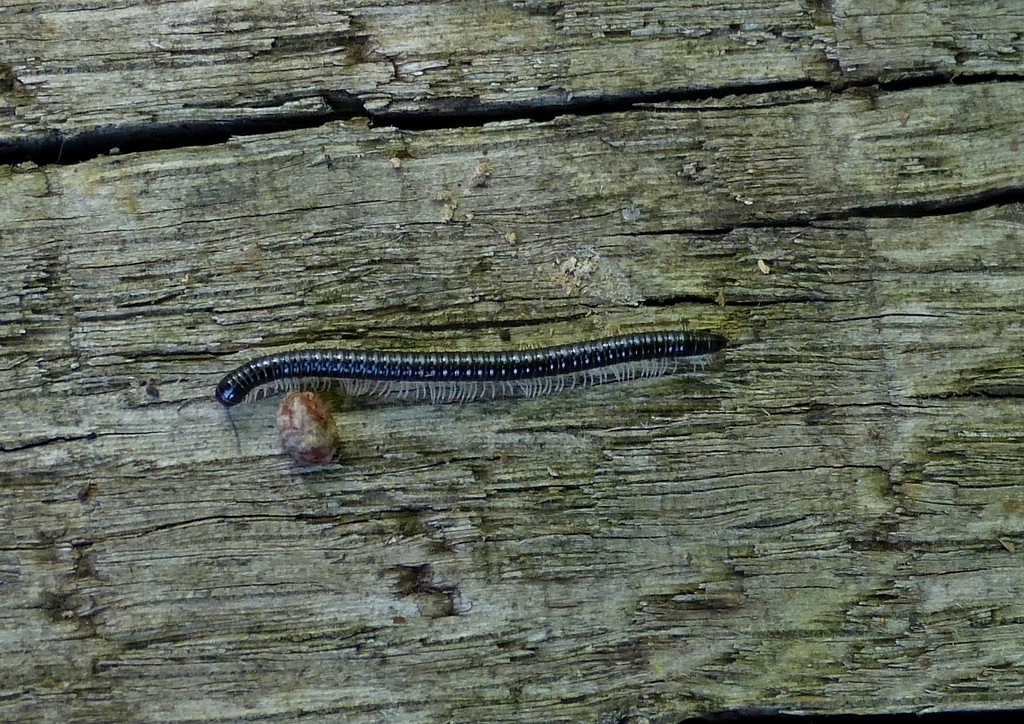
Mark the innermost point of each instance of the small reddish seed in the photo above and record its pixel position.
(307, 428)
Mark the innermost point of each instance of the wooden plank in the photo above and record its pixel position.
(825, 521)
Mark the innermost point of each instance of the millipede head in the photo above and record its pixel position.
(228, 394)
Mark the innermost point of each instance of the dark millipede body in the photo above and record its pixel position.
(465, 376)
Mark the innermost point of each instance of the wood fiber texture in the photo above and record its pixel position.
(826, 520)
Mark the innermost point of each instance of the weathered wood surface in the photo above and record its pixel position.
(827, 520)
(63, 71)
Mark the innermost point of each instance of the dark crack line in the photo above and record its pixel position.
(56, 147)
(16, 447)
(900, 210)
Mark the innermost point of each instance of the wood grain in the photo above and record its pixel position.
(826, 520)
(184, 61)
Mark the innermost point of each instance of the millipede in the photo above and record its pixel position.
(442, 377)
